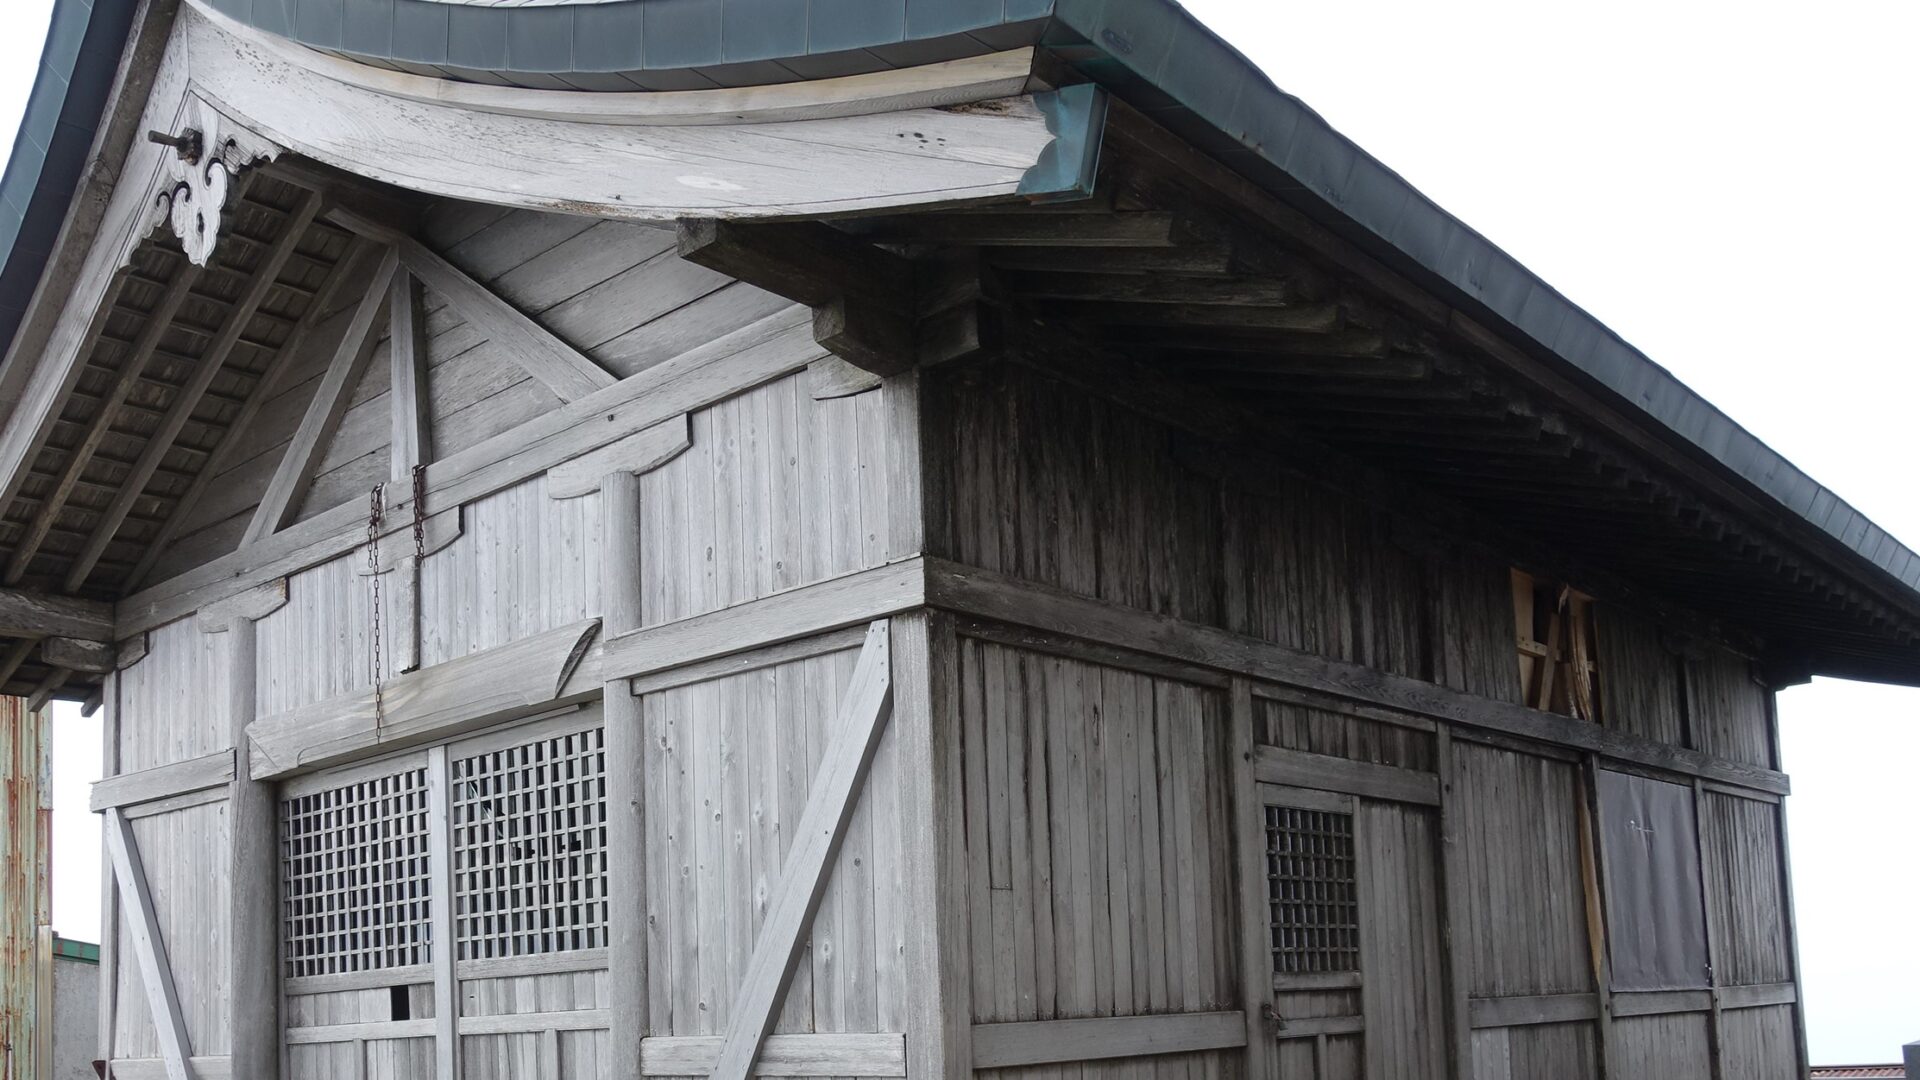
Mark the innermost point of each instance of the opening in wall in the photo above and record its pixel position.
(1554, 636)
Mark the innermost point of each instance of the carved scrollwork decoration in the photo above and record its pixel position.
(209, 154)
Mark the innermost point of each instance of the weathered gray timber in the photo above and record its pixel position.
(929, 634)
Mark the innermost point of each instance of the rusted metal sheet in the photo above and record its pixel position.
(26, 819)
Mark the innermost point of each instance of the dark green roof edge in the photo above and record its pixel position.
(77, 66)
(1150, 52)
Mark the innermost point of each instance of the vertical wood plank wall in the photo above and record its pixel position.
(1058, 487)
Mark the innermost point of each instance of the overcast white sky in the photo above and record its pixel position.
(1731, 187)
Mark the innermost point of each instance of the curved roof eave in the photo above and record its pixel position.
(76, 72)
(1151, 52)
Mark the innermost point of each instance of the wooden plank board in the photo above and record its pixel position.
(143, 933)
(1273, 765)
(434, 702)
(787, 616)
(781, 1055)
(1533, 1009)
(162, 782)
(1044, 1042)
(855, 733)
(76, 654)
(440, 917)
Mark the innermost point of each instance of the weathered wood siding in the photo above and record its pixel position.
(1061, 487)
(1640, 677)
(1520, 841)
(1746, 900)
(1404, 976)
(1560, 1051)
(185, 854)
(777, 490)
(172, 703)
(1662, 1047)
(1759, 1043)
(730, 763)
(524, 564)
(1100, 877)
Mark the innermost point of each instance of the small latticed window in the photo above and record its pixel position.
(1312, 899)
(355, 872)
(529, 848)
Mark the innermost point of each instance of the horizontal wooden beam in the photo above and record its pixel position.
(1753, 997)
(771, 620)
(1273, 765)
(1045, 1042)
(74, 654)
(780, 1055)
(461, 695)
(204, 1068)
(1497, 1012)
(984, 593)
(26, 613)
(1659, 1002)
(163, 781)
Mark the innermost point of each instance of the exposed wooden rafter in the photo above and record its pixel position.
(158, 321)
(263, 390)
(188, 397)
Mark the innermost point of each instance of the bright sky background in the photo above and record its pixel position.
(1729, 186)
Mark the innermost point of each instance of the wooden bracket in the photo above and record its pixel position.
(862, 296)
(638, 453)
(254, 604)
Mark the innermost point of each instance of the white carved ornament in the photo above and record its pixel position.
(197, 174)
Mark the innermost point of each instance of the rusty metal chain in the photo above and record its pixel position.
(419, 513)
(376, 517)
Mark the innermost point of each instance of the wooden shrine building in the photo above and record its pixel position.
(871, 538)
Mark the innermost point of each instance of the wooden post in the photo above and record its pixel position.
(1592, 883)
(926, 719)
(1453, 913)
(1250, 849)
(625, 748)
(109, 899)
(253, 967)
(446, 956)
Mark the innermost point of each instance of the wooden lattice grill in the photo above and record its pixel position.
(356, 876)
(1312, 897)
(529, 848)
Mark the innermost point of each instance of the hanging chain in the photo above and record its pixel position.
(376, 517)
(419, 513)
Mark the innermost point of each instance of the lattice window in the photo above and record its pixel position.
(529, 848)
(1312, 898)
(355, 873)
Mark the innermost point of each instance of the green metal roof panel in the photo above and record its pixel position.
(77, 65)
